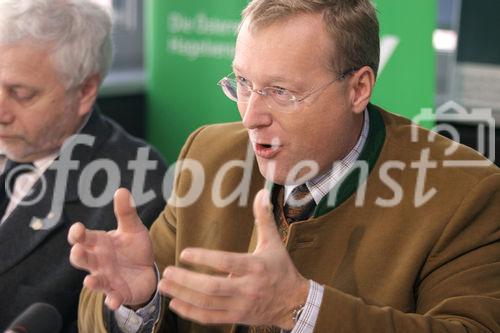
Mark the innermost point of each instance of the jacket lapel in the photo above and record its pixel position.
(24, 230)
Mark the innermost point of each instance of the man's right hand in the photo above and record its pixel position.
(120, 262)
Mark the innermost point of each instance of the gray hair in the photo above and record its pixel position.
(77, 31)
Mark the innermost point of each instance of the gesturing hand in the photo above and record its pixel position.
(120, 262)
(259, 288)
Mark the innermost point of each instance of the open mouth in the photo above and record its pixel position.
(266, 150)
(264, 145)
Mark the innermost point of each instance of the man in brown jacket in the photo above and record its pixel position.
(374, 227)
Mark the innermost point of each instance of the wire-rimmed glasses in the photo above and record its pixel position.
(239, 89)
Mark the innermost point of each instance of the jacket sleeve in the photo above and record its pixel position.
(458, 289)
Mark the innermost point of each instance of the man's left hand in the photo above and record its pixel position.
(259, 288)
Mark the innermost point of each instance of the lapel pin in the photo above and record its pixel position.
(43, 224)
(36, 224)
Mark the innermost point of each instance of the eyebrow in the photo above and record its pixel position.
(17, 84)
(30, 89)
(275, 79)
(236, 67)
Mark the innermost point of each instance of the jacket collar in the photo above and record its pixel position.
(354, 178)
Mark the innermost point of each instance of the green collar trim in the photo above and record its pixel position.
(354, 178)
(366, 161)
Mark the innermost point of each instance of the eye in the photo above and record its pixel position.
(243, 81)
(244, 86)
(23, 94)
(280, 91)
(281, 94)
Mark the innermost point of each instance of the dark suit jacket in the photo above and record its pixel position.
(34, 265)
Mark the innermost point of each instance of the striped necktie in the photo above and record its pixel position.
(300, 204)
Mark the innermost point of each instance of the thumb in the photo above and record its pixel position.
(267, 233)
(126, 213)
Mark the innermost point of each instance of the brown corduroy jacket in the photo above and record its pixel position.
(429, 262)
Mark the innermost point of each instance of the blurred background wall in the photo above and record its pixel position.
(440, 66)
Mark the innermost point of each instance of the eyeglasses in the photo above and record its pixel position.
(239, 89)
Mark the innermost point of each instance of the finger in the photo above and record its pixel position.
(267, 232)
(97, 282)
(113, 300)
(76, 233)
(229, 262)
(203, 283)
(79, 234)
(82, 259)
(126, 213)
(200, 315)
(193, 297)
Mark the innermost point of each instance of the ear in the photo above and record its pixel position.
(362, 82)
(87, 94)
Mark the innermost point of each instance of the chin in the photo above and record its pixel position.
(271, 172)
(10, 154)
(16, 154)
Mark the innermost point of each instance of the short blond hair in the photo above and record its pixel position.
(352, 25)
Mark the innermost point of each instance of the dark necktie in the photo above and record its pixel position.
(8, 178)
(300, 204)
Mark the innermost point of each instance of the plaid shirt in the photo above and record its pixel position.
(319, 187)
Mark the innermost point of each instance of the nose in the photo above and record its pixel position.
(6, 116)
(255, 113)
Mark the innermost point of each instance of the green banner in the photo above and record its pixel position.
(407, 75)
(190, 46)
